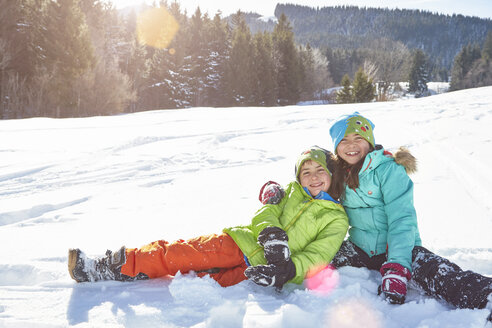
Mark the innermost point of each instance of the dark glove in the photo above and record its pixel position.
(274, 241)
(275, 275)
(394, 285)
(271, 193)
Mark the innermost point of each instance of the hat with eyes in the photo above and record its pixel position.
(353, 123)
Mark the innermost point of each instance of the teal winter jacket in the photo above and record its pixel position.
(381, 212)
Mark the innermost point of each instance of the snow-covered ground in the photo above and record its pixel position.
(102, 182)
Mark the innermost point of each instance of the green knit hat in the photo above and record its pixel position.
(317, 154)
(354, 123)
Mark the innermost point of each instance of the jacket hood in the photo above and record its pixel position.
(402, 157)
(406, 159)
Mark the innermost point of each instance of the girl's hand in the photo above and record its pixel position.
(394, 282)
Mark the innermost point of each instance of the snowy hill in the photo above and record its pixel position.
(102, 182)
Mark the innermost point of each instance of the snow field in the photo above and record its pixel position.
(102, 182)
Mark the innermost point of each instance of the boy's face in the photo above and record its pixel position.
(353, 148)
(314, 177)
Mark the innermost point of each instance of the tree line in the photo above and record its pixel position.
(73, 58)
(473, 66)
(358, 34)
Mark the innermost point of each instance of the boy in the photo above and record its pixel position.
(282, 243)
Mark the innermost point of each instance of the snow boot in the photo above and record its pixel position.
(83, 269)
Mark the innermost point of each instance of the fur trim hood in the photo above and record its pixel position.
(402, 157)
(406, 159)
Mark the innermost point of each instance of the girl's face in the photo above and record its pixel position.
(314, 177)
(353, 148)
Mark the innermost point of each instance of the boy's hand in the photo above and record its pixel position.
(274, 241)
(275, 275)
(271, 193)
(394, 284)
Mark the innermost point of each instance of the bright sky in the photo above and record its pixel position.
(480, 8)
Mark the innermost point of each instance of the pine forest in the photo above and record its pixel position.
(76, 58)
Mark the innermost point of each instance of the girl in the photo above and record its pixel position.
(281, 244)
(377, 195)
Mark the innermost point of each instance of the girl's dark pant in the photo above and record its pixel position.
(435, 275)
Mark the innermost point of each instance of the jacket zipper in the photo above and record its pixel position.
(291, 223)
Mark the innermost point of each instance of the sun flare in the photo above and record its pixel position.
(156, 28)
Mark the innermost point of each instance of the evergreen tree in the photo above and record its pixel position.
(480, 74)
(198, 55)
(344, 95)
(168, 82)
(133, 60)
(23, 22)
(218, 57)
(419, 74)
(134, 65)
(487, 47)
(8, 16)
(157, 91)
(240, 73)
(307, 72)
(363, 89)
(104, 88)
(215, 52)
(22, 52)
(264, 70)
(344, 61)
(69, 53)
(180, 63)
(463, 62)
(286, 62)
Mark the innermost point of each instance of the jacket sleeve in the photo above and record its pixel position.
(321, 250)
(397, 191)
(268, 215)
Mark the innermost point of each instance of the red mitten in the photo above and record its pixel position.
(394, 284)
(271, 193)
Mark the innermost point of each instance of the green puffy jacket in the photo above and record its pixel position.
(316, 229)
(381, 212)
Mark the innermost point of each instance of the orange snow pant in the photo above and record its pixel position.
(215, 255)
